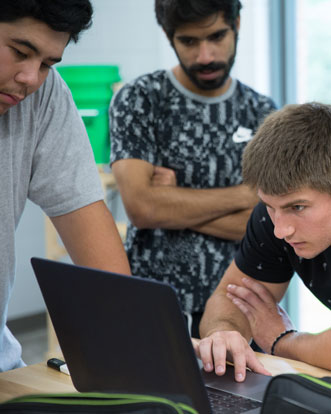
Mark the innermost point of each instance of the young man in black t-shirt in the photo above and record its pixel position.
(289, 163)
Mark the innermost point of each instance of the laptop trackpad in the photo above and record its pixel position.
(253, 386)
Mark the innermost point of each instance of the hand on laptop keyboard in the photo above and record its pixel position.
(213, 350)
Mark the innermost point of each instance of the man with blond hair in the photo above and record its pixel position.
(288, 162)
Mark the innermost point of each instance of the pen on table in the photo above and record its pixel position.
(59, 365)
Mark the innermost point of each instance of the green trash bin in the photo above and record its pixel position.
(92, 89)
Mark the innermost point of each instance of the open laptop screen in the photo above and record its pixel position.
(121, 333)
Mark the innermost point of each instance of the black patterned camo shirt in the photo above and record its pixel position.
(156, 119)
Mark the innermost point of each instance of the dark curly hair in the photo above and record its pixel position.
(172, 13)
(70, 16)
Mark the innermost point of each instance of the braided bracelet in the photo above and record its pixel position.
(279, 337)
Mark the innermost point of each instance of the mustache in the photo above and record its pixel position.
(213, 66)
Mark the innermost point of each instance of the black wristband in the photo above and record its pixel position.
(279, 337)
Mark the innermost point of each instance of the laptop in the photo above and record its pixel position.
(122, 333)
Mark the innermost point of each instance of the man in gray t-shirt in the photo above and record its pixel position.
(177, 141)
(45, 154)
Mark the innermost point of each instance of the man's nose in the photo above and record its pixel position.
(28, 75)
(205, 53)
(283, 227)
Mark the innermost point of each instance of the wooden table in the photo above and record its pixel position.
(277, 365)
(34, 379)
(39, 378)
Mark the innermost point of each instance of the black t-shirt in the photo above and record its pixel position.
(264, 257)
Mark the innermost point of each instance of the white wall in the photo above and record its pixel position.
(125, 33)
(252, 63)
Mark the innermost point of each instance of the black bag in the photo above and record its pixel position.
(91, 403)
(297, 394)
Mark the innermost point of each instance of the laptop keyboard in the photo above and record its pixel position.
(226, 403)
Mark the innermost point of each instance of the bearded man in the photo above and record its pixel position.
(177, 141)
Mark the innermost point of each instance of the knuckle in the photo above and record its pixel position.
(206, 342)
(248, 295)
(234, 335)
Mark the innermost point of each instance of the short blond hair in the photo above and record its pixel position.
(291, 150)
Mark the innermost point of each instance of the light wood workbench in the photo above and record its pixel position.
(39, 378)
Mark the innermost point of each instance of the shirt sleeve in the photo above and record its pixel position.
(267, 106)
(64, 175)
(132, 117)
(261, 255)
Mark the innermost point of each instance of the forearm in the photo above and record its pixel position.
(313, 349)
(221, 315)
(230, 227)
(225, 332)
(180, 208)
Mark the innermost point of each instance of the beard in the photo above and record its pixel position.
(209, 84)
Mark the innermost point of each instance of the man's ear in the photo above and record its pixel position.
(237, 23)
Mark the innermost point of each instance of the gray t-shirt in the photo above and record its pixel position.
(45, 156)
(156, 119)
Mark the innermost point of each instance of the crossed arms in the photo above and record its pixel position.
(241, 309)
(152, 199)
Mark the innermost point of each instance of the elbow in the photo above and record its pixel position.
(139, 221)
(242, 225)
(141, 216)
(241, 233)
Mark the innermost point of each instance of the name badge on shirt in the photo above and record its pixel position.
(242, 135)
